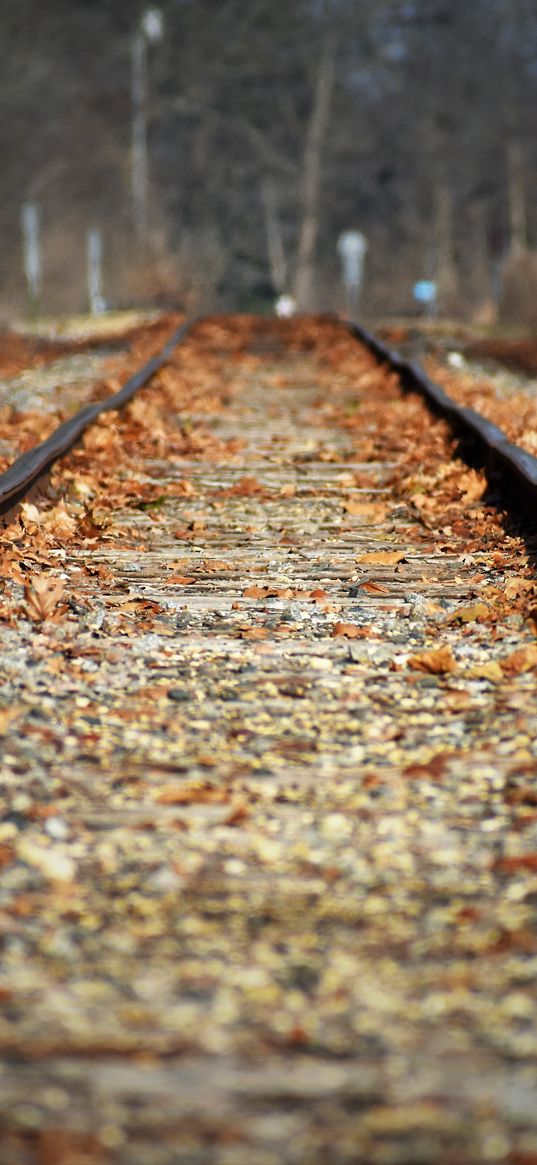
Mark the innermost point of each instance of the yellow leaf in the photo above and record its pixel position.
(469, 614)
(486, 671)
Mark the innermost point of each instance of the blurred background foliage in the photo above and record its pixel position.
(264, 131)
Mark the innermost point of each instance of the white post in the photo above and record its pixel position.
(31, 244)
(150, 29)
(94, 254)
(352, 247)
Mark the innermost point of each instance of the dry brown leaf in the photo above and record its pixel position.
(215, 565)
(30, 517)
(346, 631)
(511, 865)
(181, 489)
(42, 596)
(373, 588)
(486, 671)
(523, 660)
(247, 487)
(181, 794)
(471, 485)
(238, 813)
(364, 509)
(59, 523)
(182, 580)
(7, 716)
(382, 557)
(433, 768)
(469, 614)
(515, 588)
(439, 661)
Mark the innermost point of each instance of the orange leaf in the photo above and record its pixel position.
(523, 660)
(346, 631)
(364, 509)
(437, 662)
(374, 588)
(42, 595)
(190, 794)
(247, 487)
(382, 557)
(182, 580)
(516, 863)
(255, 592)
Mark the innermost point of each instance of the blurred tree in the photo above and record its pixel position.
(271, 129)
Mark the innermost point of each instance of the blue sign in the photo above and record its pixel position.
(425, 291)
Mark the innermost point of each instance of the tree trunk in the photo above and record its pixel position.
(275, 246)
(518, 216)
(446, 270)
(312, 174)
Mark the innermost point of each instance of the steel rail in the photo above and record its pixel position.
(23, 473)
(501, 458)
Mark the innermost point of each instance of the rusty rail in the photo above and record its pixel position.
(505, 463)
(26, 469)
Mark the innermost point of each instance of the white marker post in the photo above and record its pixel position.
(150, 30)
(352, 247)
(31, 246)
(94, 255)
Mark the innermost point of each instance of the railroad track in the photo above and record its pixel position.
(269, 775)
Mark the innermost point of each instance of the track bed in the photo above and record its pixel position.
(269, 780)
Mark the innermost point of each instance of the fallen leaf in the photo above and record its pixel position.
(42, 596)
(382, 557)
(359, 509)
(515, 588)
(182, 794)
(215, 565)
(516, 863)
(30, 516)
(523, 660)
(245, 488)
(238, 813)
(346, 631)
(439, 661)
(433, 768)
(182, 580)
(469, 614)
(486, 671)
(471, 485)
(373, 588)
(254, 592)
